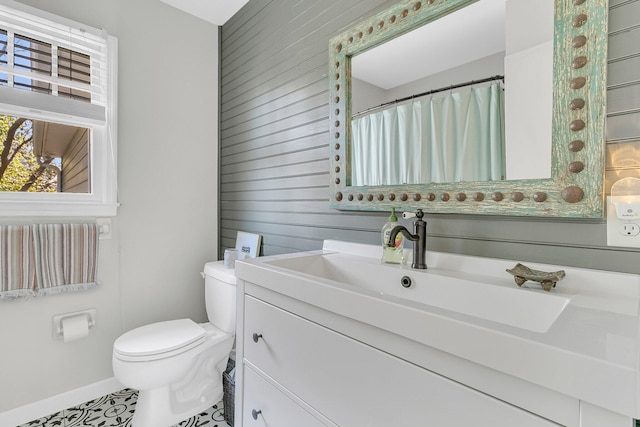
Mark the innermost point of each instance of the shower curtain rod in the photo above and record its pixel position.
(430, 92)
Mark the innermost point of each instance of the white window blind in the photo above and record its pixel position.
(64, 67)
(57, 71)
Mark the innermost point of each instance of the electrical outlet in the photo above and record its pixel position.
(621, 232)
(630, 229)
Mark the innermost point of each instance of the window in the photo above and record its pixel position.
(57, 116)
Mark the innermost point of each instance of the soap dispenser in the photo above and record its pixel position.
(392, 255)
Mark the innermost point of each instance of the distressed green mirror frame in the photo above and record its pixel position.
(575, 188)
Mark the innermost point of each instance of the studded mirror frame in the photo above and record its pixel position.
(575, 188)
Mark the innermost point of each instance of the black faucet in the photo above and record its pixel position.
(419, 240)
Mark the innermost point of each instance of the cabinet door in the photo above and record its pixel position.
(353, 384)
(266, 406)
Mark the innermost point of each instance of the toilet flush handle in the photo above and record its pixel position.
(256, 337)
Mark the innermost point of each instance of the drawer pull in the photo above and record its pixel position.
(256, 337)
(255, 414)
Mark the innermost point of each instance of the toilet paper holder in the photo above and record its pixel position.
(58, 332)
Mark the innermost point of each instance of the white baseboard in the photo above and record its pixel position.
(50, 405)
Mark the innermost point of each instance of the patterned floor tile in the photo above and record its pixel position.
(113, 410)
(53, 420)
(213, 417)
(116, 410)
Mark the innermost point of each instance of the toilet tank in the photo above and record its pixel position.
(220, 295)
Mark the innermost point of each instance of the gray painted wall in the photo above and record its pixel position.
(274, 164)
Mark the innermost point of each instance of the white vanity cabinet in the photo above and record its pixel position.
(333, 338)
(336, 380)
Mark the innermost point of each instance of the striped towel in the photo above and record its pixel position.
(45, 259)
(17, 262)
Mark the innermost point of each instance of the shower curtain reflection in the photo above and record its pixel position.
(458, 137)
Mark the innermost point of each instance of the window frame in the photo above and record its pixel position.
(102, 200)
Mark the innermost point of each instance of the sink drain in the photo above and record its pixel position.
(405, 281)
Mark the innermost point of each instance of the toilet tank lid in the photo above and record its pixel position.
(216, 270)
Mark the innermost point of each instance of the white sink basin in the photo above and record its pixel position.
(494, 299)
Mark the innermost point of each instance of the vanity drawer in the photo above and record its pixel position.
(265, 406)
(354, 384)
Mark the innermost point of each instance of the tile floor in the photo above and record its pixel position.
(116, 410)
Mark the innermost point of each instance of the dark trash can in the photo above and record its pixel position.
(228, 390)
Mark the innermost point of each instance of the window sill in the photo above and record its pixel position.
(57, 208)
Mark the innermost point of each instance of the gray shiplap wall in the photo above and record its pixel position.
(274, 164)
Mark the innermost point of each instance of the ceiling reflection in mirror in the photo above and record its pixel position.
(407, 94)
(570, 184)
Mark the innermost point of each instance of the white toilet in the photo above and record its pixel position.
(177, 365)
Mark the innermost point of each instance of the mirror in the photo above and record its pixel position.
(388, 82)
(572, 184)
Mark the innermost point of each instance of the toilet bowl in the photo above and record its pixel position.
(177, 365)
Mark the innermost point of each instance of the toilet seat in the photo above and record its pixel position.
(159, 340)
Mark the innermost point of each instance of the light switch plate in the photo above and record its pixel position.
(621, 232)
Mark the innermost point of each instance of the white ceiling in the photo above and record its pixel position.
(215, 11)
(442, 45)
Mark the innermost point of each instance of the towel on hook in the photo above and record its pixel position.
(61, 258)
